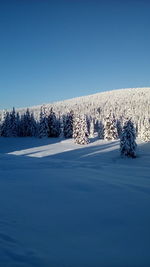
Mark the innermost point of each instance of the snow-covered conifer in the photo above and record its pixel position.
(100, 130)
(127, 141)
(145, 133)
(13, 124)
(119, 127)
(5, 127)
(68, 125)
(53, 125)
(110, 130)
(91, 129)
(43, 124)
(80, 132)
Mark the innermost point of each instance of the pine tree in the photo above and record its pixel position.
(13, 124)
(80, 132)
(119, 128)
(127, 141)
(5, 128)
(68, 125)
(91, 129)
(100, 130)
(53, 125)
(110, 130)
(145, 133)
(33, 125)
(43, 124)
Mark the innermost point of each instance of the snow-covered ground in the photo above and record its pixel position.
(66, 205)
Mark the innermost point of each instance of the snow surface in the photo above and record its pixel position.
(68, 205)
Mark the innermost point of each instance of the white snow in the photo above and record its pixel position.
(68, 205)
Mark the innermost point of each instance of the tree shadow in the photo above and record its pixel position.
(10, 144)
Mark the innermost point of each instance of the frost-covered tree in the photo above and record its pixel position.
(110, 130)
(91, 129)
(100, 130)
(5, 127)
(127, 141)
(53, 125)
(13, 124)
(43, 124)
(145, 133)
(33, 125)
(68, 125)
(80, 131)
(119, 128)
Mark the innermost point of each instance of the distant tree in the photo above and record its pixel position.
(5, 127)
(53, 125)
(68, 125)
(43, 124)
(100, 130)
(91, 135)
(119, 127)
(80, 131)
(127, 141)
(13, 124)
(145, 133)
(33, 125)
(110, 130)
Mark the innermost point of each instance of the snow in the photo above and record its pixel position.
(67, 205)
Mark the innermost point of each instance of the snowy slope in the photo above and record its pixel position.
(131, 101)
(65, 205)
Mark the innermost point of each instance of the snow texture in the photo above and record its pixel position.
(67, 205)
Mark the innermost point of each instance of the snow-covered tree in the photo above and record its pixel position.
(100, 130)
(119, 128)
(53, 125)
(145, 133)
(91, 129)
(110, 130)
(68, 125)
(127, 141)
(80, 131)
(43, 124)
(5, 127)
(13, 124)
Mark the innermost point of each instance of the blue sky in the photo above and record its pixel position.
(54, 50)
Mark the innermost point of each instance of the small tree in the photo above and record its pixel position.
(100, 130)
(53, 125)
(110, 130)
(80, 131)
(43, 124)
(91, 129)
(68, 125)
(145, 133)
(6, 126)
(127, 140)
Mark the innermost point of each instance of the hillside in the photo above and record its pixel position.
(123, 103)
(132, 101)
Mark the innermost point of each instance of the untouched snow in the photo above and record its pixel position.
(67, 205)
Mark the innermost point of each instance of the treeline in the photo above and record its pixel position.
(69, 125)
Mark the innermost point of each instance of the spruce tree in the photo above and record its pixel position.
(91, 135)
(127, 141)
(5, 127)
(43, 124)
(110, 130)
(53, 125)
(13, 124)
(100, 130)
(68, 125)
(80, 131)
(145, 132)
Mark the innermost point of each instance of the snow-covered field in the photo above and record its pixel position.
(67, 205)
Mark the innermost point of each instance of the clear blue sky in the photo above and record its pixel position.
(54, 50)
